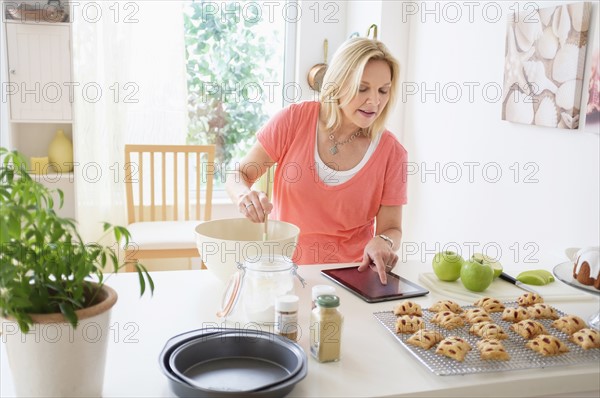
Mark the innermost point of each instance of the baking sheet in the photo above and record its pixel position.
(521, 357)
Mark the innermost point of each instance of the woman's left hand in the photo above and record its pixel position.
(380, 257)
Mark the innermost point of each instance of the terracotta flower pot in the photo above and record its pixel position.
(53, 359)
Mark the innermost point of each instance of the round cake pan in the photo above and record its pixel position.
(232, 363)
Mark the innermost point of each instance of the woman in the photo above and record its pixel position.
(340, 175)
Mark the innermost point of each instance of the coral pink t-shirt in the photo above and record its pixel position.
(336, 222)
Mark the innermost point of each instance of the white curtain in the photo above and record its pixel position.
(130, 87)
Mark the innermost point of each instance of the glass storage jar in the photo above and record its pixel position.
(252, 291)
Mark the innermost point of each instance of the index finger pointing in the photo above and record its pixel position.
(380, 264)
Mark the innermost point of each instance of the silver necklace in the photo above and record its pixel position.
(334, 148)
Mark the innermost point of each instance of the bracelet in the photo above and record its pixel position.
(387, 239)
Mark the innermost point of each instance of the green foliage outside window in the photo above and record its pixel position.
(228, 58)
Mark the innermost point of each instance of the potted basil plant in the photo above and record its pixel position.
(54, 304)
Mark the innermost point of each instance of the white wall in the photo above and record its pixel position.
(528, 221)
(319, 20)
(361, 15)
(396, 35)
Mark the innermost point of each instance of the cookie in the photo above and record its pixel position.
(546, 344)
(408, 308)
(446, 305)
(453, 347)
(448, 320)
(569, 324)
(542, 311)
(512, 314)
(586, 338)
(492, 349)
(527, 299)
(425, 338)
(528, 329)
(409, 324)
(475, 315)
(488, 330)
(490, 304)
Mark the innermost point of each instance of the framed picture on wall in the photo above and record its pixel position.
(592, 104)
(544, 65)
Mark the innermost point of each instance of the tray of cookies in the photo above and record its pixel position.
(491, 335)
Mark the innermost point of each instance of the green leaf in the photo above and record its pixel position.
(142, 280)
(4, 233)
(141, 268)
(67, 310)
(20, 302)
(24, 323)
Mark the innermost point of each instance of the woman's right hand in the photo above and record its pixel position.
(255, 206)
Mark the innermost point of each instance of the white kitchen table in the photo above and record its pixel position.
(373, 362)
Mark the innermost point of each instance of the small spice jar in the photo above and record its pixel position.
(319, 290)
(326, 329)
(286, 316)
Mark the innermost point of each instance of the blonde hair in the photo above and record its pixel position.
(343, 77)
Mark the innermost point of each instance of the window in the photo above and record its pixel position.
(235, 74)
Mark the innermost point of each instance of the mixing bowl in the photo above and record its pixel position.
(225, 243)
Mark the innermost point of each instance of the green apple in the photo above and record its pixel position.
(447, 265)
(476, 275)
(492, 262)
(537, 277)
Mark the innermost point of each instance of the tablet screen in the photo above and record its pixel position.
(366, 284)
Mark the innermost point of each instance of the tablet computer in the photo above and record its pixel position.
(367, 285)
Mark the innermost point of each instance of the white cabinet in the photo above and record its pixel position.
(39, 71)
(38, 92)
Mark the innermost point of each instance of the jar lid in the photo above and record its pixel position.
(287, 303)
(319, 290)
(273, 262)
(328, 301)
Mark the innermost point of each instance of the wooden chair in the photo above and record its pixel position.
(167, 186)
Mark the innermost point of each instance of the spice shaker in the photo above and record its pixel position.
(286, 316)
(318, 290)
(326, 329)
